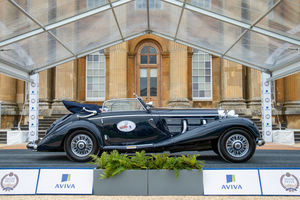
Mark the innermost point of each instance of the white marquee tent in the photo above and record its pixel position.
(37, 35)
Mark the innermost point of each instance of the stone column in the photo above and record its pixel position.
(232, 87)
(8, 88)
(178, 75)
(45, 96)
(292, 100)
(20, 93)
(254, 97)
(65, 85)
(117, 87)
(216, 81)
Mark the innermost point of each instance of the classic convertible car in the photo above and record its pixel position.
(132, 125)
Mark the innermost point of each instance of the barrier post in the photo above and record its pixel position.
(33, 107)
(0, 113)
(266, 107)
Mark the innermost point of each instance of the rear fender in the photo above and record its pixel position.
(55, 139)
(84, 125)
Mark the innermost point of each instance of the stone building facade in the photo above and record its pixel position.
(159, 70)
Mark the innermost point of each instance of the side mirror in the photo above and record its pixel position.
(150, 104)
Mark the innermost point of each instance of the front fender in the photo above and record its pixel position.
(212, 130)
(53, 141)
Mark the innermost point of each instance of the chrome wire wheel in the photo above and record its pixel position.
(81, 145)
(237, 145)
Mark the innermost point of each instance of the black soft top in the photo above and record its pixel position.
(75, 107)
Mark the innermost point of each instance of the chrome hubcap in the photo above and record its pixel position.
(81, 145)
(237, 145)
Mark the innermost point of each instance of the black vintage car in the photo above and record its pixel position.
(131, 125)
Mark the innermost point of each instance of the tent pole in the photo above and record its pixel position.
(33, 107)
(266, 107)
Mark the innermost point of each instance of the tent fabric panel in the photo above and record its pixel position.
(262, 50)
(48, 12)
(13, 22)
(164, 18)
(90, 32)
(33, 52)
(246, 11)
(284, 19)
(131, 20)
(207, 32)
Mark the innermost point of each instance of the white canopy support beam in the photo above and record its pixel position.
(285, 71)
(33, 108)
(13, 71)
(266, 107)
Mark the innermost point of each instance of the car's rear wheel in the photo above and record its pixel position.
(80, 144)
(236, 145)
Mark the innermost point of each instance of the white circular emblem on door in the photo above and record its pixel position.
(126, 126)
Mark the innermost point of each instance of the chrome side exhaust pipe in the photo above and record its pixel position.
(32, 146)
(260, 142)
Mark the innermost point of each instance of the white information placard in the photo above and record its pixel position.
(231, 182)
(65, 181)
(280, 182)
(18, 181)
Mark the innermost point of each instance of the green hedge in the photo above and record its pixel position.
(114, 163)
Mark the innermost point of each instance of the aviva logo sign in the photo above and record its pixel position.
(65, 177)
(62, 185)
(230, 180)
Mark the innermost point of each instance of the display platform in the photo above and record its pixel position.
(261, 159)
(269, 172)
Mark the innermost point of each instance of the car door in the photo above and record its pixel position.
(129, 128)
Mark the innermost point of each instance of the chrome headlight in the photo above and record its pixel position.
(221, 113)
(231, 113)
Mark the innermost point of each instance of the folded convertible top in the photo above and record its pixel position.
(75, 107)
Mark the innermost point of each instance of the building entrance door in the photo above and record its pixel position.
(148, 73)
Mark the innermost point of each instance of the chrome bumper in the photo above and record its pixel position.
(260, 141)
(33, 145)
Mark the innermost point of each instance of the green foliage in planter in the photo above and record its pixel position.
(115, 163)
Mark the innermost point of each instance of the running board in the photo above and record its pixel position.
(127, 147)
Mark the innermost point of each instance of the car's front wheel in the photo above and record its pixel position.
(236, 145)
(80, 144)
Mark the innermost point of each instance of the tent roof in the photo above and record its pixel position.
(262, 34)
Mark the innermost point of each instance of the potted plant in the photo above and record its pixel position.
(141, 174)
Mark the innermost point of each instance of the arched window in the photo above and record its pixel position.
(148, 72)
(148, 55)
